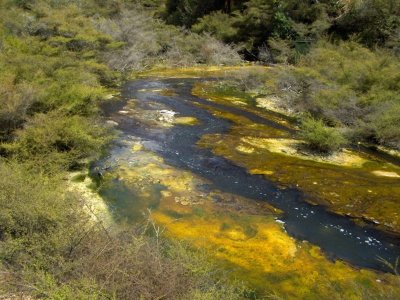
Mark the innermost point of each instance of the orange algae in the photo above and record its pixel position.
(257, 250)
(241, 234)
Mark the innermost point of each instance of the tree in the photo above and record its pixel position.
(373, 21)
(186, 12)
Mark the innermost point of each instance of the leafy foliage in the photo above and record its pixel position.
(253, 23)
(54, 139)
(59, 59)
(15, 100)
(217, 24)
(346, 85)
(319, 137)
(373, 21)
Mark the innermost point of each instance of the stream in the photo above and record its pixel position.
(339, 237)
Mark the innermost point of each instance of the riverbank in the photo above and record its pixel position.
(81, 184)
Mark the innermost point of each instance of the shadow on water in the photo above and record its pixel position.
(338, 236)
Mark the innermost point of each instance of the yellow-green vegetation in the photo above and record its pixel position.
(58, 140)
(360, 96)
(55, 246)
(199, 71)
(240, 234)
(319, 137)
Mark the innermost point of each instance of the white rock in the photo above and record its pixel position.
(112, 123)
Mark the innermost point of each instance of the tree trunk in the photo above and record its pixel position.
(228, 6)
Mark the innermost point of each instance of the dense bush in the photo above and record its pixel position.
(250, 80)
(348, 86)
(373, 21)
(56, 57)
(217, 24)
(319, 137)
(35, 217)
(185, 13)
(15, 101)
(146, 41)
(58, 140)
(384, 122)
(282, 51)
(254, 23)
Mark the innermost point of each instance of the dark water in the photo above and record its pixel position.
(339, 237)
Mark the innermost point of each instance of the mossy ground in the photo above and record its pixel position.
(199, 71)
(246, 101)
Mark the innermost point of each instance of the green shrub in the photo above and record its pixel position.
(384, 123)
(373, 21)
(346, 85)
(35, 217)
(15, 100)
(218, 24)
(250, 79)
(319, 137)
(145, 42)
(58, 140)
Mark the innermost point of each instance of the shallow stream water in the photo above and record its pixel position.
(339, 237)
